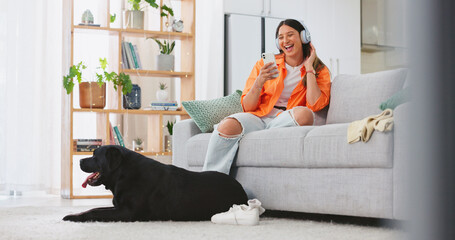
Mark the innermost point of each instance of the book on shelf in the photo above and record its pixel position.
(119, 136)
(133, 53)
(163, 108)
(87, 149)
(124, 59)
(129, 56)
(86, 141)
(86, 145)
(113, 137)
(89, 24)
(168, 103)
(137, 57)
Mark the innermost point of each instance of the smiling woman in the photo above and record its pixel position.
(285, 94)
(30, 70)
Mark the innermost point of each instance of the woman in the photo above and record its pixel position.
(302, 88)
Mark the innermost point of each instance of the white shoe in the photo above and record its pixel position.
(241, 214)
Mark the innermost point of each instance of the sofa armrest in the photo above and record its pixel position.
(401, 159)
(183, 130)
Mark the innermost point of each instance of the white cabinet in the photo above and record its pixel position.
(249, 7)
(334, 26)
(296, 9)
(267, 8)
(335, 32)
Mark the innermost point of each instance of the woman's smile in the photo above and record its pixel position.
(289, 47)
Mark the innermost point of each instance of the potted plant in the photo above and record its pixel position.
(168, 139)
(137, 145)
(165, 61)
(134, 18)
(167, 12)
(113, 17)
(161, 94)
(93, 94)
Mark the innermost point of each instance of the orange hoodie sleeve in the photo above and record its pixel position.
(323, 81)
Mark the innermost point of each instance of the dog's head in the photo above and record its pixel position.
(104, 162)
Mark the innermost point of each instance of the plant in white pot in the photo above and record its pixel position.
(134, 18)
(162, 94)
(165, 61)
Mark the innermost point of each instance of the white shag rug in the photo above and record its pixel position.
(45, 223)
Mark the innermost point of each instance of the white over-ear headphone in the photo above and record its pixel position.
(304, 36)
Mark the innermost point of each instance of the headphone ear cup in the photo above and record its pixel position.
(303, 36)
(277, 43)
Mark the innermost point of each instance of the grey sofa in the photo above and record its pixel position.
(312, 168)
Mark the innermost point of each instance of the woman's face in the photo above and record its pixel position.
(289, 41)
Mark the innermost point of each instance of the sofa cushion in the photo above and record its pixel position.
(327, 147)
(279, 147)
(207, 113)
(354, 97)
(196, 149)
(400, 97)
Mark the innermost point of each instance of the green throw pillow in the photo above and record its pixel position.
(207, 113)
(400, 97)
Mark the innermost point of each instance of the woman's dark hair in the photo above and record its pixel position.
(318, 65)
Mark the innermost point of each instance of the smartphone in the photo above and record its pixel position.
(270, 58)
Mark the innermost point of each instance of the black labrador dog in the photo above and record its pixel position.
(145, 189)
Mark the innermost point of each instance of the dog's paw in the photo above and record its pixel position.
(74, 218)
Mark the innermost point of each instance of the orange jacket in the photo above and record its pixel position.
(272, 89)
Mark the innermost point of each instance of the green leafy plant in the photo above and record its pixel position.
(163, 86)
(166, 11)
(113, 17)
(121, 79)
(75, 71)
(165, 47)
(136, 4)
(170, 127)
(138, 141)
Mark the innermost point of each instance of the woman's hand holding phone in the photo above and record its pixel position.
(268, 72)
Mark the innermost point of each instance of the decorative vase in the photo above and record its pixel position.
(165, 62)
(87, 17)
(162, 95)
(168, 143)
(134, 19)
(91, 95)
(133, 99)
(138, 147)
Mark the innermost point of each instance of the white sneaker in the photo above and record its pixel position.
(241, 214)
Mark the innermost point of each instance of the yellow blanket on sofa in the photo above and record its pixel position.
(363, 129)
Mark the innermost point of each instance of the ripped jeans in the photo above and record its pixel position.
(222, 150)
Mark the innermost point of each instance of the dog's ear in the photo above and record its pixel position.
(114, 158)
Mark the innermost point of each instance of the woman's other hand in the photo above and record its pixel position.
(310, 60)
